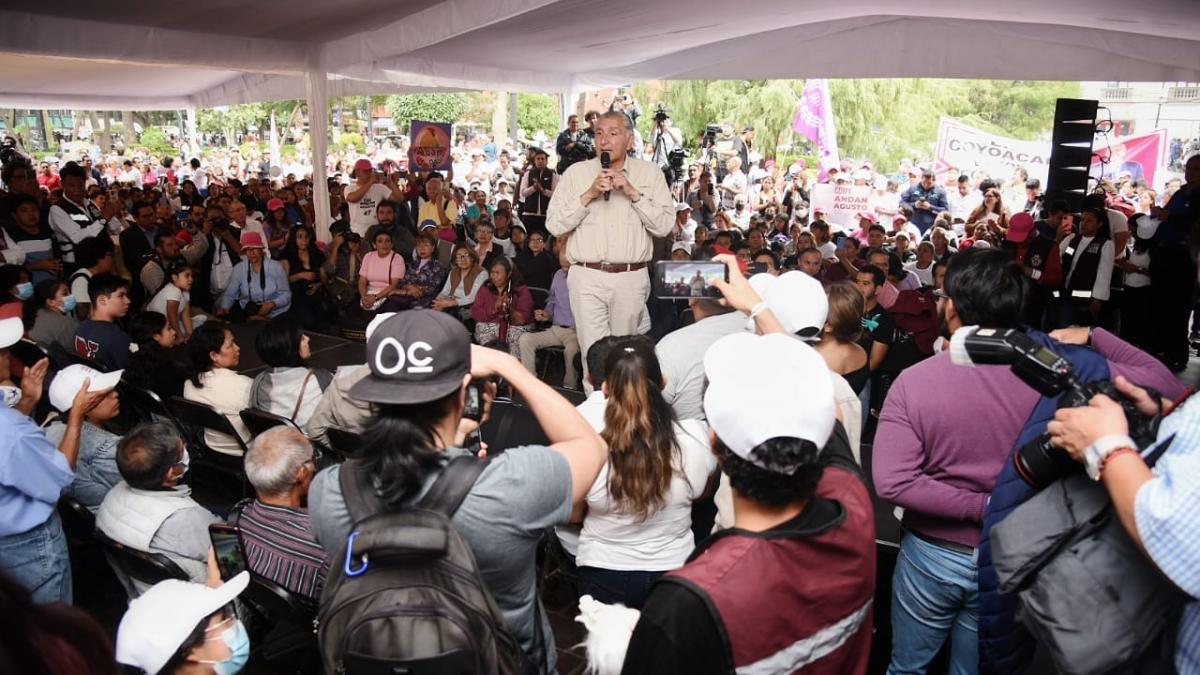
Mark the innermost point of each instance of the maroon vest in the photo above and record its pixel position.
(799, 603)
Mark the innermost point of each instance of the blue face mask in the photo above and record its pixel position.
(25, 290)
(69, 304)
(238, 641)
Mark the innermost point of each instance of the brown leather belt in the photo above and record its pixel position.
(944, 543)
(613, 267)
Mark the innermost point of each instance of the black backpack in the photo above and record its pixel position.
(405, 594)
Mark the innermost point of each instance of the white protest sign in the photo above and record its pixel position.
(842, 203)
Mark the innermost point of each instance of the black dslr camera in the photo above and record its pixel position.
(710, 135)
(661, 113)
(1039, 462)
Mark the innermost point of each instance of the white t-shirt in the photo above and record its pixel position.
(167, 293)
(362, 212)
(925, 275)
(663, 541)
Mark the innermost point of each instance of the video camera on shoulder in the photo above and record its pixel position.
(1040, 462)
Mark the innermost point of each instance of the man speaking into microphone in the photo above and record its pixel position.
(612, 214)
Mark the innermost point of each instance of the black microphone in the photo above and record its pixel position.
(605, 161)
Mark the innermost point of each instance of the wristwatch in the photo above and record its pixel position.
(1095, 454)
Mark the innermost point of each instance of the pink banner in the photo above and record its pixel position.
(1137, 156)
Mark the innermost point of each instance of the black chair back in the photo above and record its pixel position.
(540, 296)
(343, 443)
(203, 416)
(575, 396)
(258, 421)
(85, 361)
(79, 524)
(144, 403)
(511, 425)
(131, 564)
(193, 419)
(28, 351)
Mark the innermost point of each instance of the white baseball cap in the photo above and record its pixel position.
(746, 407)
(11, 330)
(69, 381)
(797, 300)
(159, 621)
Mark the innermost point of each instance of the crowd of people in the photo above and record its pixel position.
(712, 480)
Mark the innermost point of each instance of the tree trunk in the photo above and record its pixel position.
(127, 127)
(105, 132)
(47, 129)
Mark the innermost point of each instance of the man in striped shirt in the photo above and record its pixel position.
(276, 534)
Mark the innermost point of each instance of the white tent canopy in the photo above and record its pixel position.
(143, 56)
(78, 53)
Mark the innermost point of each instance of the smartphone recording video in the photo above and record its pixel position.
(228, 549)
(679, 280)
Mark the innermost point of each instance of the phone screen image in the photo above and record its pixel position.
(676, 280)
(473, 409)
(228, 549)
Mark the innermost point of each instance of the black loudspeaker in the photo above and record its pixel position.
(1071, 151)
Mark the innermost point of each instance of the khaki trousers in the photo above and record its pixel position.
(554, 336)
(606, 303)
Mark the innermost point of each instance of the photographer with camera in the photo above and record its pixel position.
(937, 456)
(1156, 507)
(574, 144)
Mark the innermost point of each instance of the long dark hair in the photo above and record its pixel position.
(206, 339)
(278, 343)
(639, 427)
(291, 251)
(400, 446)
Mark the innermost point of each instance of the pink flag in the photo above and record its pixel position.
(814, 121)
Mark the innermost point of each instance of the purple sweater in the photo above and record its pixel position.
(946, 430)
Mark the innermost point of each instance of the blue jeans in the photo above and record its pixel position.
(935, 594)
(628, 588)
(38, 560)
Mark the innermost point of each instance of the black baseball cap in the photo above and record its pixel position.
(416, 356)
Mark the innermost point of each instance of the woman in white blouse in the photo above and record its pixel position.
(638, 523)
(214, 354)
(463, 282)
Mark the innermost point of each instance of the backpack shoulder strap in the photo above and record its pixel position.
(451, 488)
(358, 491)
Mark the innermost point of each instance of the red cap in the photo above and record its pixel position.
(184, 236)
(252, 240)
(869, 216)
(275, 203)
(361, 165)
(1019, 227)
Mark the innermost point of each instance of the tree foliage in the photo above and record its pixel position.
(882, 120)
(155, 140)
(537, 112)
(427, 107)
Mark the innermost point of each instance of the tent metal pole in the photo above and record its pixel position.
(317, 88)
